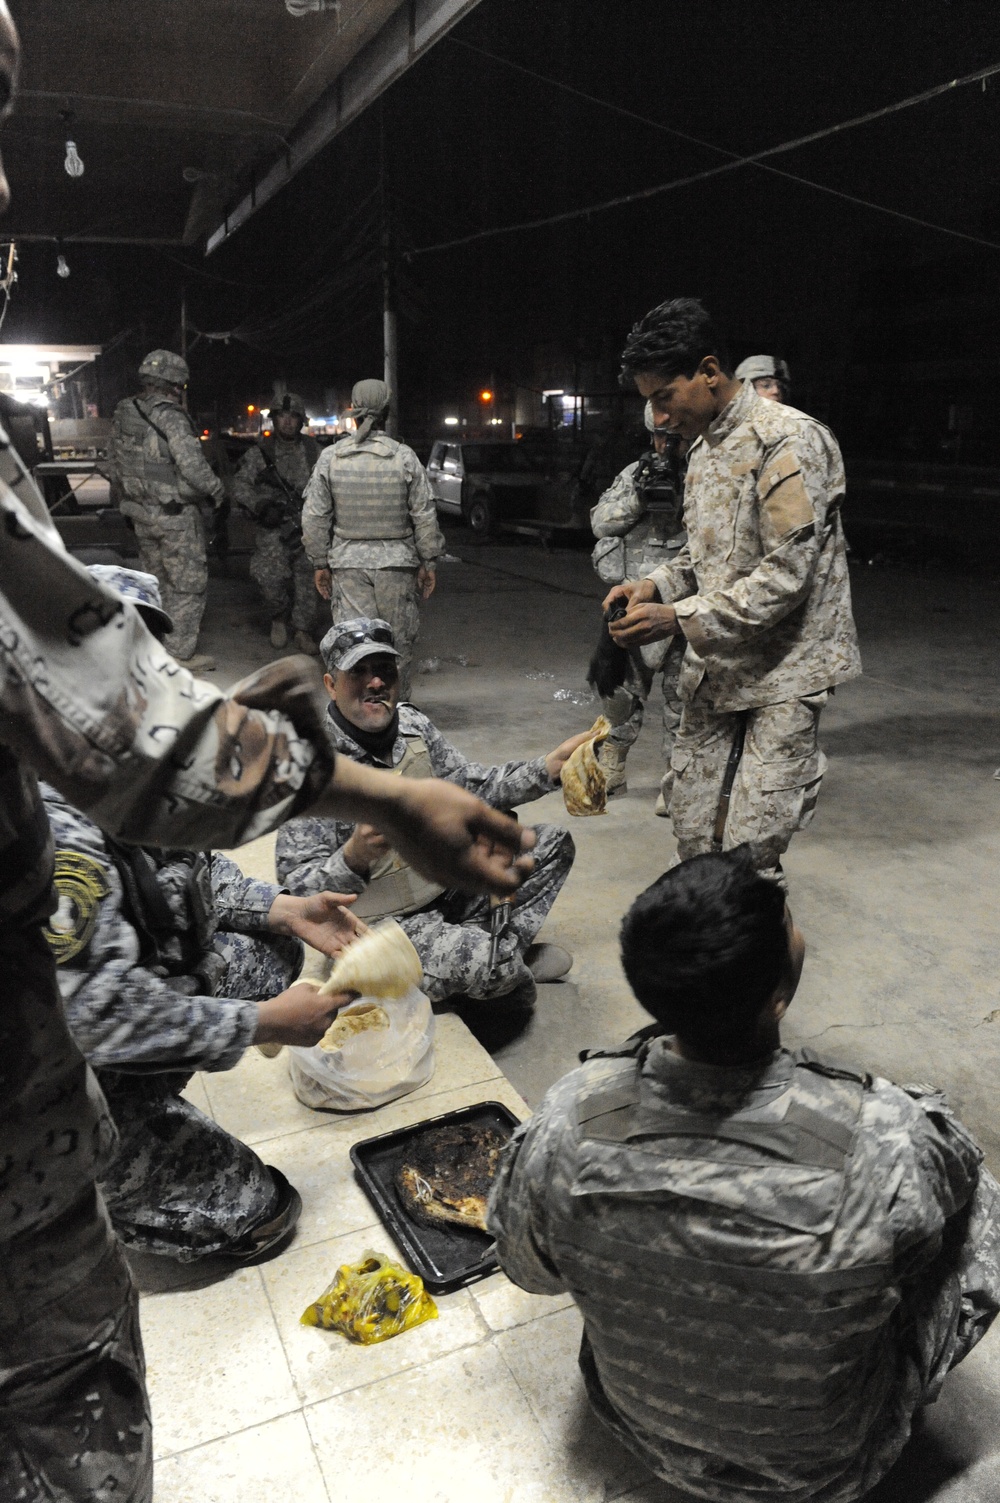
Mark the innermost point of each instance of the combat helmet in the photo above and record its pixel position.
(166, 367)
(756, 367)
(290, 402)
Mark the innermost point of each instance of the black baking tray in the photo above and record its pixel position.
(445, 1257)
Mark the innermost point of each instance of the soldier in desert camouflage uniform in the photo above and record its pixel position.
(370, 527)
(760, 594)
(451, 932)
(269, 484)
(156, 459)
(777, 1259)
(638, 526)
(162, 958)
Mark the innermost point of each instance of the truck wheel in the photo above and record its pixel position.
(480, 513)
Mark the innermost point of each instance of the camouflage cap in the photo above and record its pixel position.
(369, 396)
(754, 367)
(347, 642)
(142, 589)
(290, 402)
(164, 365)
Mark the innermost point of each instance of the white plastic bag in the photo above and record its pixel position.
(372, 1067)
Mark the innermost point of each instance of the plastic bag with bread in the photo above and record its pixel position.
(584, 781)
(380, 963)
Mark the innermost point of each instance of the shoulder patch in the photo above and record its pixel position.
(81, 883)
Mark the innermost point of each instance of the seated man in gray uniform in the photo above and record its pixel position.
(171, 962)
(451, 932)
(777, 1259)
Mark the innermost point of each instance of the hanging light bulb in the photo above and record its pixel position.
(62, 266)
(73, 162)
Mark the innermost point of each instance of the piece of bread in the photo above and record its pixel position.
(351, 1021)
(584, 781)
(381, 963)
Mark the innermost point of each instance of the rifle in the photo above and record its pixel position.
(275, 515)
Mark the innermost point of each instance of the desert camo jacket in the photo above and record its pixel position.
(124, 1014)
(761, 590)
(697, 1402)
(308, 855)
(378, 455)
(92, 703)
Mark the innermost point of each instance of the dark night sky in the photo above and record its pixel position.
(470, 144)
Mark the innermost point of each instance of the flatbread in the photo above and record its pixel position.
(584, 781)
(351, 1021)
(381, 963)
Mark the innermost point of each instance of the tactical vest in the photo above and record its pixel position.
(758, 1364)
(370, 504)
(393, 887)
(142, 452)
(163, 943)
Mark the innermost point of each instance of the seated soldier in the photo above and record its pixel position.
(171, 962)
(450, 931)
(777, 1259)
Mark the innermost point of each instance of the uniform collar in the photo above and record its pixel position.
(714, 1089)
(731, 416)
(410, 724)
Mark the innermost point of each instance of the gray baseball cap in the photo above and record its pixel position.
(347, 642)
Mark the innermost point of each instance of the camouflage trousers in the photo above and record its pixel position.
(777, 781)
(74, 1416)
(285, 578)
(452, 937)
(391, 595)
(626, 718)
(174, 549)
(180, 1185)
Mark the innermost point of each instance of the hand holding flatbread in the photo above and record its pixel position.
(381, 963)
(584, 781)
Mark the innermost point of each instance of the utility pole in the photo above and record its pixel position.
(390, 345)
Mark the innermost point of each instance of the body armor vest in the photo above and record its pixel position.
(393, 887)
(164, 944)
(141, 452)
(762, 1359)
(370, 504)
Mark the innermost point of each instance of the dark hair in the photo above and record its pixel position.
(672, 340)
(705, 947)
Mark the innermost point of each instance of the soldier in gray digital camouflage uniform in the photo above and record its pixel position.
(760, 594)
(269, 484)
(156, 459)
(162, 959)
(450, 932)
(370, 527)
(638, 525)
(777, 1259)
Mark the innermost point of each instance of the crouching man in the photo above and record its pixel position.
(451, 932)
(777, 1259)
(171, 962)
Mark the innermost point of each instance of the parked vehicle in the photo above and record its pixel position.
(508, 486)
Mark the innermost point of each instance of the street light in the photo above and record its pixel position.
(485, 396)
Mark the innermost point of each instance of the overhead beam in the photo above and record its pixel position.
(410, 32)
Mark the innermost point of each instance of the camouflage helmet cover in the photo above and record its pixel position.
(165, 366)
(290, 402)
(756, 367)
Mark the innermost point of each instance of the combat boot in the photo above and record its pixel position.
(612, 759)
(305, 643)
(279, 633)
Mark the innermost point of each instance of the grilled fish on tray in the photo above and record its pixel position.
(447, 1173)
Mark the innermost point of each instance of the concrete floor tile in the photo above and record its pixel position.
(261, 1465)
(542, 1357)
(324, 1363)
(256, 858)
(456, 1430)
(255, 1101)
(215, 1362)
(503, 1305)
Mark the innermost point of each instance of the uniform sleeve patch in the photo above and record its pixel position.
(80, 884)
(784, 499)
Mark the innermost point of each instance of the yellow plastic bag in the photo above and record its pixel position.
(371, 1301)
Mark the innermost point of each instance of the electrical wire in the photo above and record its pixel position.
(755, 159)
